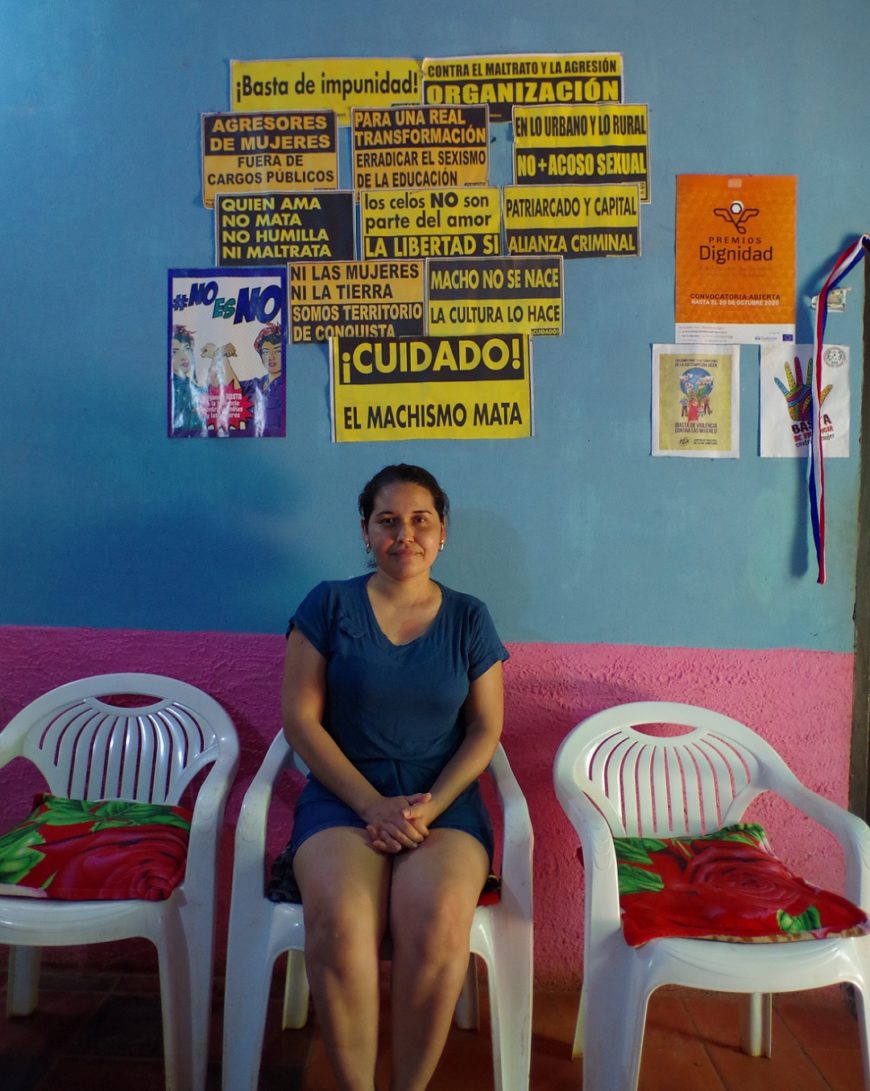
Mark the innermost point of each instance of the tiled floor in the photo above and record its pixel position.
(102, 1031)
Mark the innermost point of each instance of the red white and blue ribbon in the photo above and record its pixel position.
(844, 264)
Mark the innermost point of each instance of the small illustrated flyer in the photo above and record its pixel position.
(695, 401)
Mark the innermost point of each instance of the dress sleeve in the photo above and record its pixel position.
(484, 646)
(313, 618)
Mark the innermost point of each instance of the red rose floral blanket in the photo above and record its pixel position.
(105, 849)
(726, 885)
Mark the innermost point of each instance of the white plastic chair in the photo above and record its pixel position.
(615, 781)
(261, 930)
(89, 749)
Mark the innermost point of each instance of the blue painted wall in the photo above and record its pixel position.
(576, 535)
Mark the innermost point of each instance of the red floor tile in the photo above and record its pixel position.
(91, 1027)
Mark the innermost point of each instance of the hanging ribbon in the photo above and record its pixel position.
(843, 265)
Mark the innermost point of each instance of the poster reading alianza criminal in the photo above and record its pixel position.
(574, 221)
(431, 388)
(226, 338)
(695, 401)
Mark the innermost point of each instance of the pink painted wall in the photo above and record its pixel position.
(799, 700)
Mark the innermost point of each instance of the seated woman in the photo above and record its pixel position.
(392, 695)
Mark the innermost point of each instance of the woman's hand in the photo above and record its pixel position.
(396, 823)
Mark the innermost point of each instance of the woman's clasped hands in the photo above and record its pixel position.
(396, 823)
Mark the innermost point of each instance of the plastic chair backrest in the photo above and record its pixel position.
(666, 785)
(87, 748)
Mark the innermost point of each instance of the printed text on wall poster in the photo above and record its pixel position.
(735, 259)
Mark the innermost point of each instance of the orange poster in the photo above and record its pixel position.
(735, 258)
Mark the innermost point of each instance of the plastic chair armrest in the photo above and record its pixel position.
(851, 832)
(207, 820)
(250, 843)
(599, 863)
(518, 837)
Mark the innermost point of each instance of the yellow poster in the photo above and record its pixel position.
(735, 258)
(574, 221)
(431, 388)
(253, 228)
(696, 401)
(491, 295)
(583, 145)
(324, 83)
(356, 299)
(505, 80)
(420, 147)
(434, 223)
(280, 151)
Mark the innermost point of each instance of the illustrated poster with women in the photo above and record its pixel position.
(226, 348)
(695, 401)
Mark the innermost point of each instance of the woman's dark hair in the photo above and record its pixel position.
(402, 473)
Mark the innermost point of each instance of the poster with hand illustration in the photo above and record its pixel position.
(786, 378)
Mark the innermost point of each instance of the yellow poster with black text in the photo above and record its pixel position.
(420, 147)
(431, 388)
(324, 83)
(504, 80)
(430, 223)
(574, 221)
(281, 151)
(582, 145)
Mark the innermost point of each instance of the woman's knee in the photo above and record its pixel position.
(337, 927)
(437, 929)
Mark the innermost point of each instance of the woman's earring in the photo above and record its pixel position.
(369, 547)
(441, 547)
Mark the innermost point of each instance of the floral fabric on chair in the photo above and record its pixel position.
(726, 885)
(111, 849)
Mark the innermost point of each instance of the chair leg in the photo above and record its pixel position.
(199, 946)
(246, 992)
(614, 1029)
(510, 1008)
(296, 992)
(756, 1032)
(22, 992)
(862, 1011)
(577, 1045)
(468, 1005)
(175, 1003)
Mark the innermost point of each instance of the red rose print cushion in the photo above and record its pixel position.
(105, 849)
(726, 885)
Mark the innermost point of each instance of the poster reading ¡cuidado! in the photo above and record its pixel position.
(431, 388)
